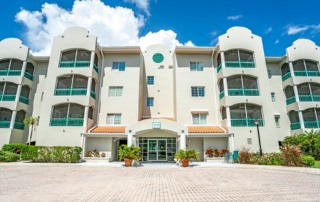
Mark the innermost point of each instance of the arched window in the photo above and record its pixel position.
(239, 58)
(75, 58)
(5, 117)
(71, 85)
(18, 124)
(10, 67)
(242, 85)
(305, 68)
(29, 71)
(294, 120)
(309, 92)
(8, 91)
(90, 114)
(67, 114)
(25, 93)
(289, 95)
(246, 114)
(311, 117)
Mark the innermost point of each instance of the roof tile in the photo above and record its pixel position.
(108, 129)
(206, 129)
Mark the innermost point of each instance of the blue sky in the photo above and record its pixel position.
(174, 22)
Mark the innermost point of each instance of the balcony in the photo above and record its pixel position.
(291, 100)
(28, 76)
(246, 122)
(221, 95)
(7, 97)
(4, 124)
(243, 92)
(24, 100)
(306, 73)
(10, 72)
(219, 68)
(95, 68)
(286, 76)
(295, 126)
(239, 64)
(93, 94)
(70, 91)
(309, 98)
(19, 126)
(311, 124)
(66, 122)
(74, 64)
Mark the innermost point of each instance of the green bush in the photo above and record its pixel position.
(6, 156)
(57, 154)
(309, 143)
(308, 160)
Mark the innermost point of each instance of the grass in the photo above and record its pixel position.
(316, 165)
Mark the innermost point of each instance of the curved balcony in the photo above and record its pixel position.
(77, 58)
(305, 68)
(67, 114)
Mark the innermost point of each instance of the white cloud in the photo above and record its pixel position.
(292, 30)
(234, 17)
(277, 41)
(268, 30)
(214, 38)
(112, 25)
(141, 4)
(167, 37)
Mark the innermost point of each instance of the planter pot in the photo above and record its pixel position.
(185, 163)
(127, 162)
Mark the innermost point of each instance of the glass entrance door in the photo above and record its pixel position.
(157, 150)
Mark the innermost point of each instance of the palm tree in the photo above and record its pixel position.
(310, 141)
(30, 121)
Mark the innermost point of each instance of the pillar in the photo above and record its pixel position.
(83, 145)
(296, 93)
(89, 86)
(222, 59)
(130, 138)
(85, 117)
(228, 116)
(13, 119)
(18, 92)
(225, 86)
(291, 69)
(231, 143)
(183, 140)
(23, 69)
(92, 59)
(301, 119)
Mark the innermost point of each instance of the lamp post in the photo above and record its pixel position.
(257, 124)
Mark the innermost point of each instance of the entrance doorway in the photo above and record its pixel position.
(157, 150)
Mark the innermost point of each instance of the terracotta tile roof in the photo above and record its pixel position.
(206, 129)
(168, 118)
(108, 129)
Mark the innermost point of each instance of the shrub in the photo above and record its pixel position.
(7, 156)
(308, 160)
(244, 156)
(132, 152)
(291, 155)
(210, 152)
(267, 159)
(184, 154)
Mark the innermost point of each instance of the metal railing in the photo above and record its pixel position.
(18, 125)
(246, 122)
(66, 122)
(311, 124)
(10, 72)
(243, 92)
(240, 64)
(28, 76)
(309, 98)
(291, 100)
(307, 73)
(286, 76)
(7, 97)
(70, 91)
(24, 100)
(295, 126)
(74, 64)
(4, 124)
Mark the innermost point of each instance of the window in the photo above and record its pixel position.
(115, 91)
(150, 80)
(199, 119)
(273, 97)
(150, 101)
(196, 66)
(277, 120)
(113, 119)
(197, 91)
(269, 74)
(249, 140)
(119, 66)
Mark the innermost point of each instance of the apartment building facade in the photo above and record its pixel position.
(160, 98)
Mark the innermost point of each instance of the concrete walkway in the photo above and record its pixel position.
(156, 182)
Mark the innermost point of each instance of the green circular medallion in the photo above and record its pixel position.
(157, 58)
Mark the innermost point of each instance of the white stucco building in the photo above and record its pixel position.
(161, 99)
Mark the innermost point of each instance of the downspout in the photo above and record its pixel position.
(100, 85)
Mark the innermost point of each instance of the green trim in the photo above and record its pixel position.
(70, 91)
(291, 100)
(246, 122)
(24, 100)
(286, 76)
(10, 72)
(19, 126)
(66, 122)
(243, 92)
(28, 76)
(295, 126)
(221, 95)
(157, 58)
(219, 68)
(4, 124)
(7, 97)
(240, 64)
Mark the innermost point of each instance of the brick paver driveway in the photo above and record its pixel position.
(67, 182)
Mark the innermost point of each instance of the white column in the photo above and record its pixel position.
(18, 92)
(83, 146)
(130, 138)
(296, 93)
(301, 119)
(89, 86)
(13, 119)
(24, 66)
(228, 116)
(92, 59)
(183, 140)
(291, 69)
(223, 62)
(85, 117)
(225, 86)
(231, 143)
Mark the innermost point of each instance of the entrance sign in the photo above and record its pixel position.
(156, 125)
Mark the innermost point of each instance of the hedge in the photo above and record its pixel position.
(56, 154)
(6, 156)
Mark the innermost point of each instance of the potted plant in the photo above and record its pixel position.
(185, 155)
(128, 154)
